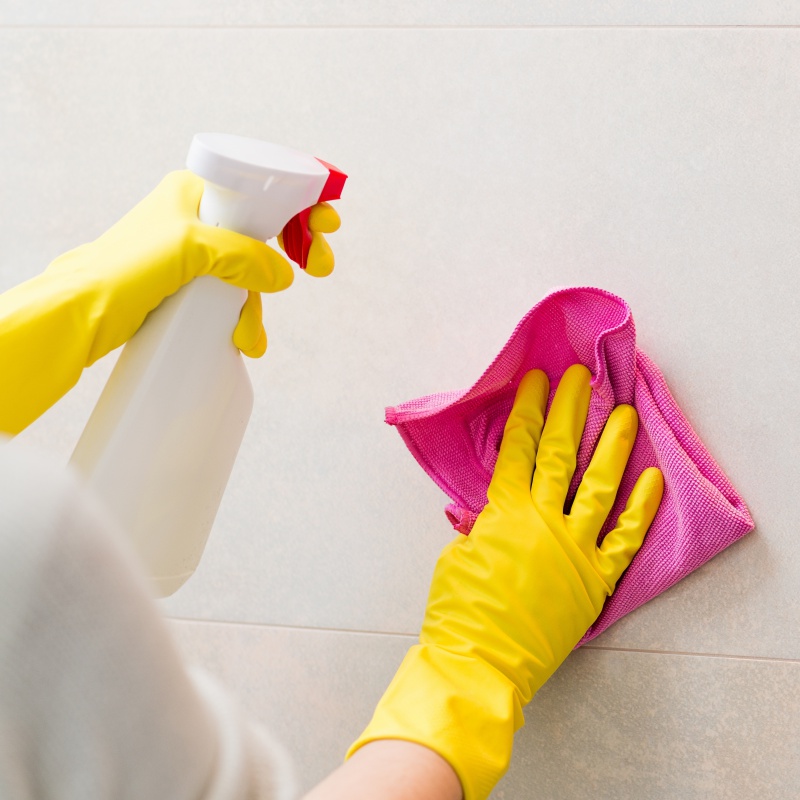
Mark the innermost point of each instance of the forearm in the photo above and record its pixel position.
(63, 320)
(391, 769)
(46, 335)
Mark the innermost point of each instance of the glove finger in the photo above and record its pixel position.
(523, 429)
(555, 461)
(620, 545)
(249, 335)
(324, 219)
(209, 250)
(240, 260)
(320, 257)
(600, 483)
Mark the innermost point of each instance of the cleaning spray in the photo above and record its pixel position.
(161, 442)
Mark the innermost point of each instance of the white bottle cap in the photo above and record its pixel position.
(253, 187)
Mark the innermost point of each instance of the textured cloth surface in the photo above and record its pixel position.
(455, 437)
(95, 701)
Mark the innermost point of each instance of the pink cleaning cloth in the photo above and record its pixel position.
(455, 437)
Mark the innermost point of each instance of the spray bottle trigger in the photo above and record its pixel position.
(296, 233)
(297, 238)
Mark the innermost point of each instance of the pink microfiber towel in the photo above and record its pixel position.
(455, 437)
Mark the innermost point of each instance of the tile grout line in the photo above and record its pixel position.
(730, 656)
(246, 27)
(315, 629)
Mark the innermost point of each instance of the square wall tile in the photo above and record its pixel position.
(609, 725)
(486, 167)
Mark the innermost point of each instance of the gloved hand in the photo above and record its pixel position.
(509, 603)
(92, 299)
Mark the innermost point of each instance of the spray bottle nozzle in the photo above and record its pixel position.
(296, 233)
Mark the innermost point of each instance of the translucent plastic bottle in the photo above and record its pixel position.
(161, 442)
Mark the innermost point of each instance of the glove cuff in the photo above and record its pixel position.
(460, 707)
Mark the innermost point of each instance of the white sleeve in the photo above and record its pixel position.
(95, 701)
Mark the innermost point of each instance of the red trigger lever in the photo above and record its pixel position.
(296, 234)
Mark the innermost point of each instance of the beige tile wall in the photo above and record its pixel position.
(493, 155)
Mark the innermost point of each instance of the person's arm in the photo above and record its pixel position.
(391, 769)
(92, 299)
(508, 603)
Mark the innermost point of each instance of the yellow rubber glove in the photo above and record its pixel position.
(509, 603)
(92, 299)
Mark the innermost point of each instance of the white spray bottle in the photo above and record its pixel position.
(161, 442)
